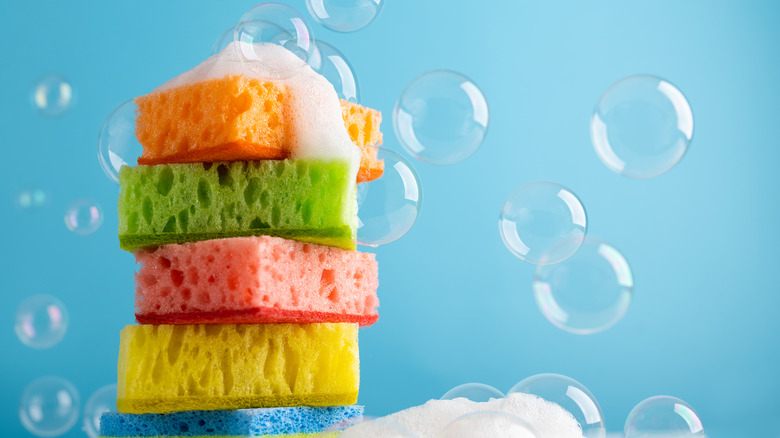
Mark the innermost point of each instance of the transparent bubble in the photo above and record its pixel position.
(477, 392)
(344, 15)
(31, 197)
(588, 292)
(273, 23)
(642, 126)
(83, 216)
(117, 144)
(224, 40)
(334, 66)
(543, 222)
(41, 321)
(441, 117)
(49, 406)
(380, 427)
(102, 401)
(663, 417)
(52, 96)
(388, 206)
(570, 395)
(492, 424)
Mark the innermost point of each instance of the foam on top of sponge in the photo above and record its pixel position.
(430, 420)
(317, 125)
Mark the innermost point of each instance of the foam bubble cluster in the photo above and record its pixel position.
(547, 419)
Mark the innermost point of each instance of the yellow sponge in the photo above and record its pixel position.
(164, 368)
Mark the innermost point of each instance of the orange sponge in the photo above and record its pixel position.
(236, 118)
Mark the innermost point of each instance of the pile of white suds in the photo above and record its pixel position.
(431, 419)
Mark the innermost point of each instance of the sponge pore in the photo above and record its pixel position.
(234, 118)
(240, 422)
(307, 200)
(255, 280)
(166, 368)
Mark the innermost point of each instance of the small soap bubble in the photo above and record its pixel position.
(344, 15)
(588, 292)
(569, 394)
(273, 23)
(102, 401)
(380, 427)
(543, 222)
(41, 321)
(476, 392)
(83, 216)
(334, 66)
(663, 416)
(117, 144)
(52, 96)
(49, 406)
(30, 198)
(389, 205)
(642, 126)
(441, 117)
(493, 424)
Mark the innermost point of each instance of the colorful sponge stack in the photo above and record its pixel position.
(250, 291)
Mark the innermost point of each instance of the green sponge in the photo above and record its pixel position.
(306, 200)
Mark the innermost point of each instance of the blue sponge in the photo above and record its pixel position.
(240, 422)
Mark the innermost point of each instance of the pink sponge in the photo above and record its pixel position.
(255, 280)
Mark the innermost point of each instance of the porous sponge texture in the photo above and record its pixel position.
(256, 280)
(234, 118)
(166, 368)
(307, 200)
(240, 422)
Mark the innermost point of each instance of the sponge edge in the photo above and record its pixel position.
(255, 280)
(241, 422)
(168, 368)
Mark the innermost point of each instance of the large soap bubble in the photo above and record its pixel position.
(49, 406)
(477, 392)
(663, 417)
(543, 222)
(117, 144)
(273, 23)
(569, 394)
(334, 66)
(642, 126)
(41, 321)
(588, 292)
(344, 15)
(441, 117)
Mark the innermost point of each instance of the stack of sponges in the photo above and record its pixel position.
(249, 291)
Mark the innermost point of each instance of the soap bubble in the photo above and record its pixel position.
(102, 401)
(493, 424)
(388, 206)
(588, 292)
(31, 197)
(333, 65)
(663, 416)
(380, 427)
(642, 126)
(570, 395)
(273, 23)
(441, 117)
(344, 15)
(477, 392)
(41, 321)
(543, 222)
(49, 406)
(224, 40)
(83, 216)
(52, 96)
(117, 144)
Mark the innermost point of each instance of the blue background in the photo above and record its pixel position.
(457, 307)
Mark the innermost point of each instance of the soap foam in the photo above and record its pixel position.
(317, 124)
(430, 420)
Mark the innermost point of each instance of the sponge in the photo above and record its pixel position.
(241, 422)
(233, 118)
(308, 200)
(165, 368)
(255, 280)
